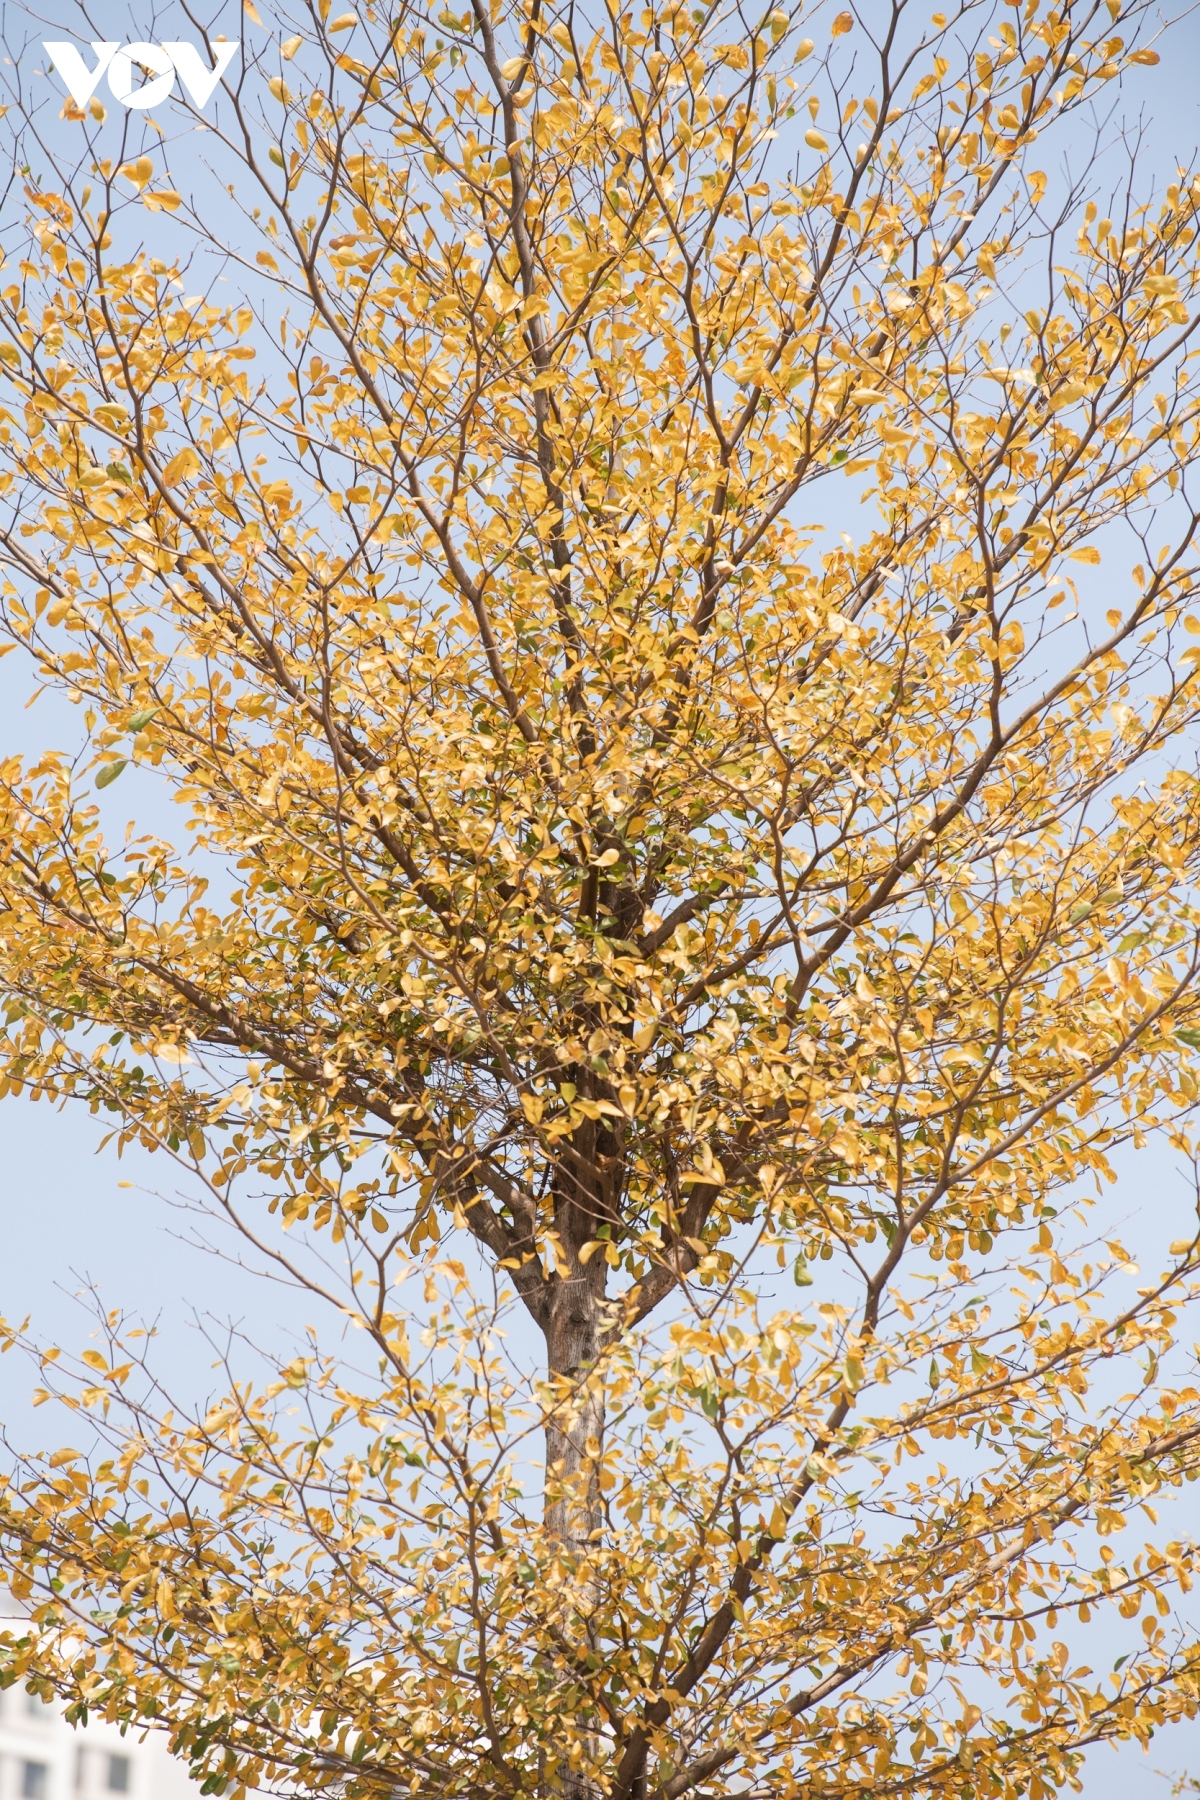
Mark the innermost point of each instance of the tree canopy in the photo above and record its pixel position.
(669, 974)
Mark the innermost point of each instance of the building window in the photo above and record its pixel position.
(118, 1774)
(33, 1781)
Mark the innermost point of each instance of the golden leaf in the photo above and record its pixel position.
(183, 464)
(138, 172)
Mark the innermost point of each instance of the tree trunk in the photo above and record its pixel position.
(584, 1206)
(585, 1195)
(574, 1438)
(575, 1430)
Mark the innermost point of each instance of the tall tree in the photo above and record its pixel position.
(610, 898)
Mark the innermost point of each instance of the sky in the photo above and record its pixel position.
(76, 1221)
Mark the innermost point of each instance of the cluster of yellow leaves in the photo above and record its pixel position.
(376, 1604)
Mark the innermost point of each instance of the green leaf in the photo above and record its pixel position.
(140, 720)
(1190, 1036)
(109, 772)
(800, 1274)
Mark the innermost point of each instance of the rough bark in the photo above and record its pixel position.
(574, 1330)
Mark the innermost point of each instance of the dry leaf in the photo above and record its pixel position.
(183, 464)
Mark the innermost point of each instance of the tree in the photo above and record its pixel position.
(611, 899)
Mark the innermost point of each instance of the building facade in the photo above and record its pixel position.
(44, 1758)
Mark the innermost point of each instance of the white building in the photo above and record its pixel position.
(44, 1758)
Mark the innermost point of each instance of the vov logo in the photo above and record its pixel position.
(163, 62)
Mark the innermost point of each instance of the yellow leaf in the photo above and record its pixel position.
(184, 463)
(814, 140)
(714, 1175)
(138, 172)
(289, 47)
(1088, 554)
(843, 23)
(344, 22)
(161, 200)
